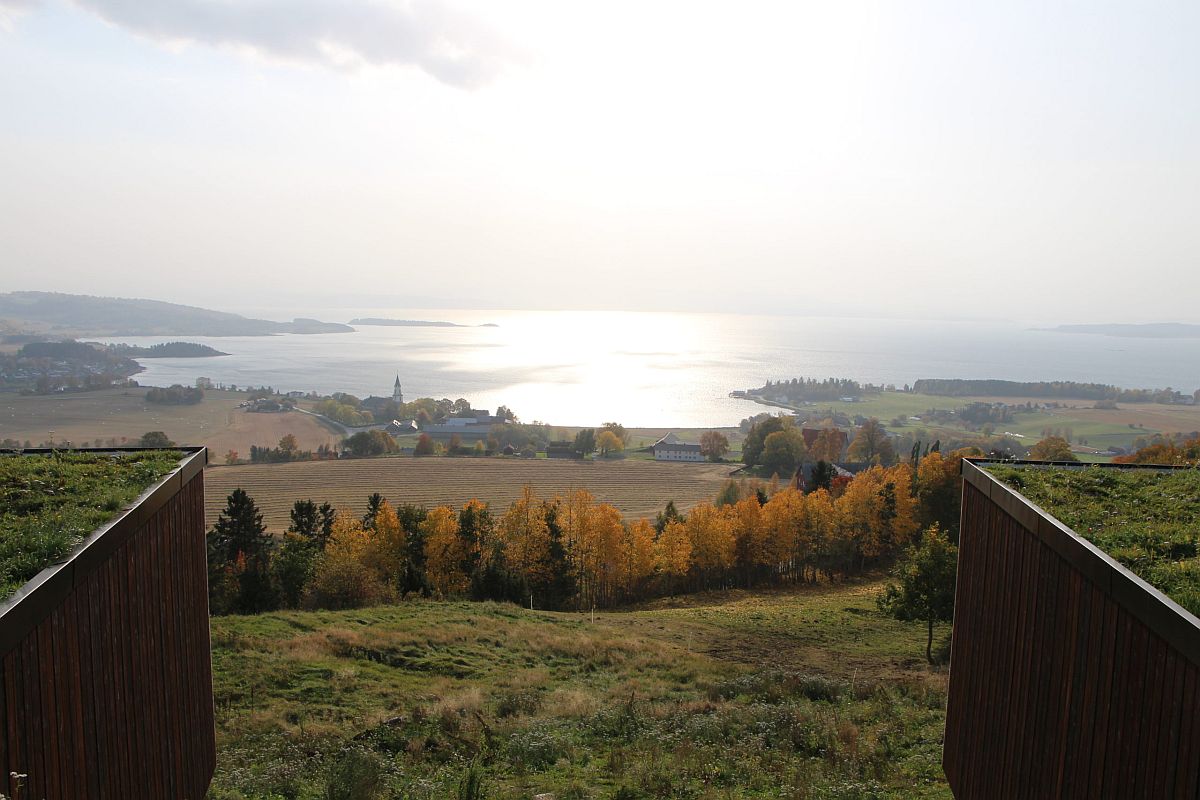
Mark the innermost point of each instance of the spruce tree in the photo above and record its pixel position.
(240, 540)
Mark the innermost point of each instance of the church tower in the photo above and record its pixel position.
(397, 395)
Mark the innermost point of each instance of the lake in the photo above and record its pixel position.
(658, 369)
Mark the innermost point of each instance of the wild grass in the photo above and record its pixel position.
(1146, 519)
(436, 700)
(50, 503)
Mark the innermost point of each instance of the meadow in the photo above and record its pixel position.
(637, 488)
(123, 414)
(806, 693)
(1101, 428)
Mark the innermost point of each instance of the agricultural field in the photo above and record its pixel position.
(637, 488)
(1101, 428)
(801, 693)
(123, 414)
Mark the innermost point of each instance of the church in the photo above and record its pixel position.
(376, 403)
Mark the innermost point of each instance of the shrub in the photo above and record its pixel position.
(356, 775)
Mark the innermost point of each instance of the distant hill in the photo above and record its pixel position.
(84, 315)
(1151, 330)
(415, 323)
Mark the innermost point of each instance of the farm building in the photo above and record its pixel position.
(399, 427)
(474, 428)
(561, 450)
(669, 448)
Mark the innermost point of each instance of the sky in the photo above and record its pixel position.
(1018, 160)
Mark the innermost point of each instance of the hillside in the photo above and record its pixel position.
(85, 315)
(800, 693)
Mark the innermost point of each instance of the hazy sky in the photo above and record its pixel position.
(1028, 160)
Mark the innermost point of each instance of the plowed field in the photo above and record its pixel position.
(637, 488)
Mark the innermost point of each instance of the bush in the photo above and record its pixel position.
(356, 775)
(344, 583)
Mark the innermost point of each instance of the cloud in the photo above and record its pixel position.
(427, 34)
(11, 9)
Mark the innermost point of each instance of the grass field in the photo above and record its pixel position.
(805, 694)
(637, 488)
(1100, 427)
(216, 422)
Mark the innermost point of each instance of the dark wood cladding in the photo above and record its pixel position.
(106, 688)
(1069, 677)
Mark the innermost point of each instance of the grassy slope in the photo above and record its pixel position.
(49, 504)
(802, 694)
(1145, 519)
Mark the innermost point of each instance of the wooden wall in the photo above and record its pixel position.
(110, 694)
(1065, 682)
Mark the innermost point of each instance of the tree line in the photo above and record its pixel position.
(957, 387)
(571, 551)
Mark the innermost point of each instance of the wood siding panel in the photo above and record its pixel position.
(1056, 689)
(110, 695)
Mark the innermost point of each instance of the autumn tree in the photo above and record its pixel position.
(872, 444)
(608, 442)
(526, 536)
(424, 445)
(618, 430)
(288, 445)
(827, 446)
(713, 445)
(1052, 448)
(711, 535)
(939, 490)
(750, 551)
(344, 576)
(638, 556)
(924, 584)
(673, 552)
(389, 545)
(445, 552)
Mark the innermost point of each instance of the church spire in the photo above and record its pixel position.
(397, 395)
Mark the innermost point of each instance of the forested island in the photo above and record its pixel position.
(810, 390)
(166, 350)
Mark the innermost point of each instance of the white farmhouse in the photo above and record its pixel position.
(669, 448)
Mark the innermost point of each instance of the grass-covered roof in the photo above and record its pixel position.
(1149, 520)
(49, 503)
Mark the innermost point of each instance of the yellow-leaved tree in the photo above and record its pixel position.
(673, 553)
(389, 545)
(638, 556)
(711, 534)
(344, 576)
(526, 537)
(445, 552)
